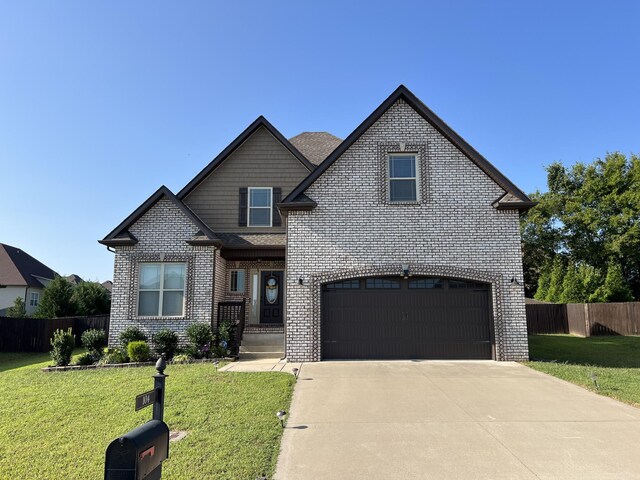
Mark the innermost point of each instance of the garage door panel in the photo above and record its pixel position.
(388, 323)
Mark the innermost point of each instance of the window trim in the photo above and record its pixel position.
(244, 281)
(416, 178)
(249, 207)
(161, 290)
(34, 299)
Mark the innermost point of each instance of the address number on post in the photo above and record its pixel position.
(145, 399)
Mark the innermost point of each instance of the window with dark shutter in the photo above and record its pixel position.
(242, 208)
(277, 197)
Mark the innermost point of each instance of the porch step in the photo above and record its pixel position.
(261, 355)
(263, 339)
(261, 348)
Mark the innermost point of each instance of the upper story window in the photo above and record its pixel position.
(403, 178)
(34, 299)
(260, 207)
(161, 289)
(236, 281)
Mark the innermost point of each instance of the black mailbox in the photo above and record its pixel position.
(138, 454)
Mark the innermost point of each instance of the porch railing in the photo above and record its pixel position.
(234, 313)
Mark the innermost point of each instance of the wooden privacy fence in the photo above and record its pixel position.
(584, 319)
(35, 334)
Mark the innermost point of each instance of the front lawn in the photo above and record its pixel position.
(615, 361)
(58, 425)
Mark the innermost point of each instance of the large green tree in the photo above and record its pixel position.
(56, 300)
(591, 214)
(91, 298)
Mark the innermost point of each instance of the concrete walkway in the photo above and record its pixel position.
(247, 363)
(453, 420)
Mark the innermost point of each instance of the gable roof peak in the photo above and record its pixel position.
(122, 236)
(261, 121)
(402, 92)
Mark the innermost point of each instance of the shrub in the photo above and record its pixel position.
(18, 309)
(85, 358)
(94, 341)
(131, 334)
(91, 298)
(113, 356)
(182, 358)
(62, 345)
(200, 336)
(166, 342)
(138, 351)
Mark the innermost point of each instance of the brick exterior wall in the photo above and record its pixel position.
(162, 233)
(452, 231)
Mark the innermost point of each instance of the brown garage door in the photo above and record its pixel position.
(415, 318)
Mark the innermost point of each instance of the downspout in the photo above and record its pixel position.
(26, 292)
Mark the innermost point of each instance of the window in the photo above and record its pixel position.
(355, 283)
(260, 210)
(236, 281)
(161, 289)
(34, 300)
(403, 178)
(382, 283)
(426, 283)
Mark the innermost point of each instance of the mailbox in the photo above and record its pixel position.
(138, 454)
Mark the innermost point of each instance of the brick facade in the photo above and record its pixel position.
(453, 230)
(162, 233)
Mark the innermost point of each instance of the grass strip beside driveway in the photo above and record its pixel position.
(58, 425)
(614, 360)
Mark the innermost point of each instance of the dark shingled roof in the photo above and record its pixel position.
(74, 279)
(232, 240)
(315, 146)
(18, 268)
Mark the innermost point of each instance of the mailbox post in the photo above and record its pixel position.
(138, 454)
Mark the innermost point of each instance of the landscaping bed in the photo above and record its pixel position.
(608, 365)
(58, 426)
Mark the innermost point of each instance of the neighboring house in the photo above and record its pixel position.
(74, 279)
(401, 241)
(108, 286)
(22, 276)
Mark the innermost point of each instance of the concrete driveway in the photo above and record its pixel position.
(453, 420)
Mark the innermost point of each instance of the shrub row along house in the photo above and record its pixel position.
(400, 241)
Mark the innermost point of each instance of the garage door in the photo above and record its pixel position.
(415, 318)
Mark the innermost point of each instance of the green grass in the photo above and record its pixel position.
(615, 360)
(58, 425)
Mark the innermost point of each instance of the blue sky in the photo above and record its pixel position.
(103, 102)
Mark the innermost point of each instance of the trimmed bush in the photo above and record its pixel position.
(131, 334)
(166, 342)
(62, 345)
(138, 351)
(200, 336)
(94, 341)
(113, 356)
(85, 358)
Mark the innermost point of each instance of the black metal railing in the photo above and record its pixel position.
(233, 312)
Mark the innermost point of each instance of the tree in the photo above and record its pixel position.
(590, 214)
(614, 289)
(555, 284)
(544, 281)
(18, 310)
(91, 298)
(56, 299)
(572, 286)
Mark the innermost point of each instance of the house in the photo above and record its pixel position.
(22, 276)
(400, 241)
(74, 279)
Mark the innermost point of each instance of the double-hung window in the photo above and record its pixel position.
(161, 289)
(260, 210)
(403, 178)
(34, 299)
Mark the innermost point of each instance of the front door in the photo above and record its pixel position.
(271, 297)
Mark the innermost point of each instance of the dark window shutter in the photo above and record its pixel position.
(242, 210)
(277, 198)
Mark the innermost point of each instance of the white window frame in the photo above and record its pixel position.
(34, 299)
(161, 290)
(249, 207)
(416, 178)
(244, 280)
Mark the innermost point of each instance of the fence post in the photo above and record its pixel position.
(587, 322)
